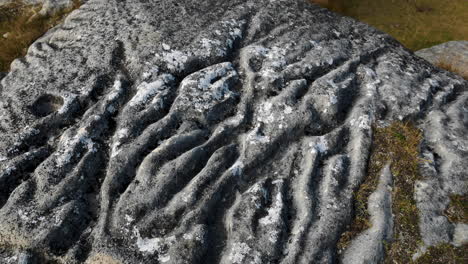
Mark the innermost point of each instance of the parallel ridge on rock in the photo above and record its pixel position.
(211, 132)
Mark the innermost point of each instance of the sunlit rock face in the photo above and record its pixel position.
(213, 132)
(453, 54)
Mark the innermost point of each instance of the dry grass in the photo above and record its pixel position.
(443, 64)
(416, 24)
(23, 25)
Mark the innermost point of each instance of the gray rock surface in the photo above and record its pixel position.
(212, 132)
(454, 53)
(368, 247)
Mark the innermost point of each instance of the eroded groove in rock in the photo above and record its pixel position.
(369, 245)
(212, 132)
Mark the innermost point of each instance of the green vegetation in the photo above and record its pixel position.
(416, 24)
(457, 210)
(21, 25)
(445, 254)
(397, 144)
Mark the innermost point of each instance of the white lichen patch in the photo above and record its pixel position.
(363, 122)
(153, 71)
(68, 100)
(221, 41)
(28, 132)
(147, 91)
(188, 236)
(69, 145)
(271, 225)
(337, 167)
(255, 137)
(23, 215)
(257, 188)
(75, 141)
(12, 259)
(129, 219)
(264, 113)
(116, 91)
(165, 46)
(238, 252)
(460, 234)
(241, 253)
(158, 245)
(320, 145)
(273, 61)
(237, 168)
(150, 245)
(121, 135)
(275, 58)
(209, 45)
(175, 59)
(234, 29)
(370, 88)
(235, 120)
(257, 192)
(274, 212)
(331, 183)
(256, 50)
(9, 170)
(203, 90)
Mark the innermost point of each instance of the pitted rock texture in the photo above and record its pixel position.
(212, 132)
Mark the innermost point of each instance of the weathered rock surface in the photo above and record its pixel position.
(212, 132)
(453, 53)
(368, 247)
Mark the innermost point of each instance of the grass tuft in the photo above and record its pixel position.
(457, 211)
(21, 25)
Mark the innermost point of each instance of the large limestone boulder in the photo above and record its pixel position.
(214, 131)
(452, 54)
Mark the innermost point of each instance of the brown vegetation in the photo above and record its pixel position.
(417, 24)
(457, 211)
(443, 64)
(21, 25)
(444, 254)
